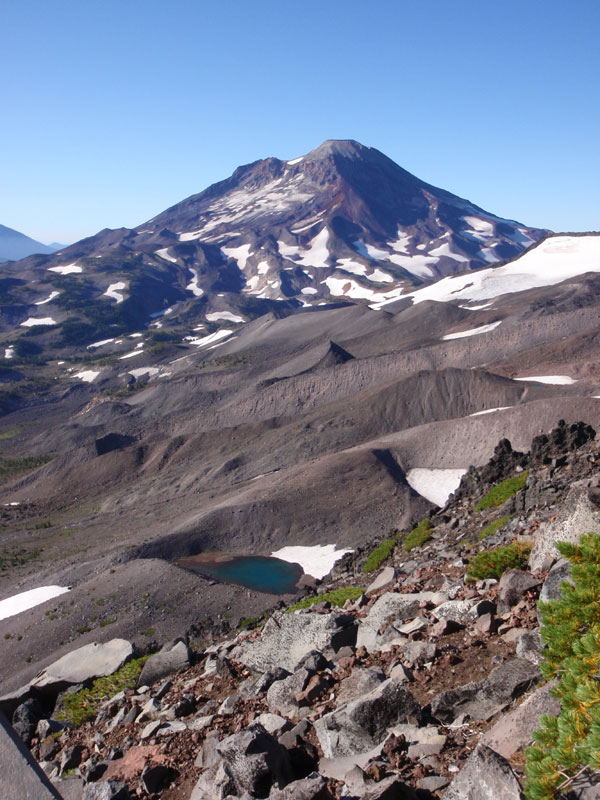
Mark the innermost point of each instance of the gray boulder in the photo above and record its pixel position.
(313, 787)
(385, 579)
(215, 784)
(171, 658)
(577, 514)
(255, 761)
(281, 694)
(93, 660)
(390, 788)
(529, 646)
(392, 606)
(105, 790)
(513, 585)
(359, 683)
(21, 775)
(485, 776)
(287, 638)
(483, 699)
(560, 572)
(362, 724)
(513, 731)
(26, 717)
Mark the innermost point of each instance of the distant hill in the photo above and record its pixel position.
(15, 245)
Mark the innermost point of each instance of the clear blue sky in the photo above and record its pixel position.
(113, 111)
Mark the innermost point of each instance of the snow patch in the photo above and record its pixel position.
(164, 253)
(25, 600)
(308, 290)
(114, 291)
(348, 265)
(68, 269)
(317, 561)
(212, 337)
(317, 253)
(49, 299)
(9, 352)
(445, 250)
(342, 287)
(87, 376)
(489, 411)
(435, 485)
(193, 284)
(99, 344)
(557, 380)
(131, 355)
(416, 265)
(472, 331)
(240, 254)
(380, 277)
(137, 373)
(295, 161)
(215, 316)
(29, 323)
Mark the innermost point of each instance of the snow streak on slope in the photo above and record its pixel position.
(436, 485)
(25, 600)
(556, 259)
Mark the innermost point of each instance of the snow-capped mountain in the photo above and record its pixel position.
(342, 223)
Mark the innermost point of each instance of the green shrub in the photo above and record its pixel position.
(569, 745)
(12, 466)
(17, 558)
(418, 536)
(337, 597)
(83, 705)
(502, 491)
(379, 555)
(492, 527)
(493, 563)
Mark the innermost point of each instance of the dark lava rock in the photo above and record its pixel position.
(256, 761)
(158, 777)
(26, 717)
(562, 439)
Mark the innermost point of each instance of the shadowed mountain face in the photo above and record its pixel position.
(208, 416)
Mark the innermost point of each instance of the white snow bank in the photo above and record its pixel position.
(99, 344)
(472, 331)
(295, 160)
(9, 352)
(489, 411)
(342, 287)
(240, 254)
(435, 485)
(130, 355)
(29, 323)
(212, 337)
(556, 259)
(317, 560)
(308, 290)
(21, 602)
(68, 269)
(88, 375)
(317, 253)
(164, 253)
(215, 316)
(137, 373)
(193, 284)
(114, 291)
(49, 299)
(559, 380)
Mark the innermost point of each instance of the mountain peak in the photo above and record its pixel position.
(347, 148)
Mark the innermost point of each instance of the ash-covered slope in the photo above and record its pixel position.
(342, 223)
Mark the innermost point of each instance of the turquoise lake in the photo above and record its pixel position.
(261, 573)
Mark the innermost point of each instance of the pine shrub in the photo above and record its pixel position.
(568, 746)
(380, 554)
(493, 563)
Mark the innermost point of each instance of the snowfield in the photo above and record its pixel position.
(215, 316)
(87, 376)
(49, 299)
(435, 485)
(472, 331)
(556, 259)
(29, 323)
(558, 380)
(68, 269)
(114, 291)
(317, 560)
(24, 600)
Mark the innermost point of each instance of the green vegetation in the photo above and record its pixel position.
(493, 563)
(148, 632)
(12, 466)
(337, 597)
(492, 527)
(109, 621)
(419, 535)
(252, 622)
(502, 491)
(568, 746)
(83, 705)
(380, 554)
(17, 558)
(10, 432)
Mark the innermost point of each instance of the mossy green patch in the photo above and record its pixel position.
(380, 554)
(503, 491)
(419, 535)
(337, 597)
(83, 705)
(492, 527)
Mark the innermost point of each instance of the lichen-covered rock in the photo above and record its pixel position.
(287, 638)
(485, 776)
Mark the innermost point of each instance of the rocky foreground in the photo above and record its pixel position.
(427, 685)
